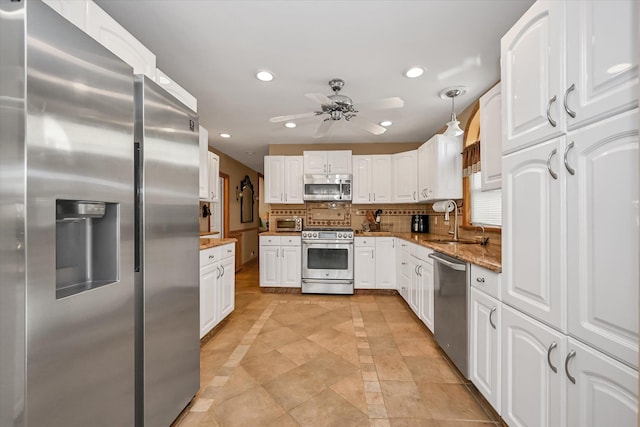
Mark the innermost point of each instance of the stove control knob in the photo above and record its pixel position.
(315, 234)
(350, 235)
(304, 234)
(340, 235)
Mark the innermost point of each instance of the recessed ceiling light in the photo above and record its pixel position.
(264, 76)
(414, 72)
(251, 153)
(290, 125)
(386, 123)
(225, 135)
(618, 68)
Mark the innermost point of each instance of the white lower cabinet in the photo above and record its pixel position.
(532, 377)
(549, 379)
(374, 263)
(484, 345)
(280, 261)
(217, 285)
(403, 276)
(425, 291)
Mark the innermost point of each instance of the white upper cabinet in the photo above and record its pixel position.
(601, 58)
(327, 162)
(75, 11)
(283, 179)
(440, 168)
(532, 76)
(371, 179)
(102, 27)
(568, 64)
(603, 244)
(533, 232)
(204, 163)
(404, 178)
(214, 172)
(178, 92)
(491, 138)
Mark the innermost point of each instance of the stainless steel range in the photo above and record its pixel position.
(327, 261)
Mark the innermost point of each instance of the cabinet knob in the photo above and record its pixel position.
(480, 279)
(211, 257)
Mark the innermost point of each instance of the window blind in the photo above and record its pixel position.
(486, 206)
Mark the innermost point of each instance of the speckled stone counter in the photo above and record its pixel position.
(488, 256)
(212, 243)
(283, 233)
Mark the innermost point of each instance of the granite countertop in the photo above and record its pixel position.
(281, 233)
(488, 256)
(213, 242)
(209, 233)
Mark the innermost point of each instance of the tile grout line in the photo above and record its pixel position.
(203, 404)
(376, 408)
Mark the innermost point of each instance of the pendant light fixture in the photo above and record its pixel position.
(453, 126)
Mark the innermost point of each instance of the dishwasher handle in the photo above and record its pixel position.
(453, 265)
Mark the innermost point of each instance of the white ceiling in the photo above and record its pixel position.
(214, 48)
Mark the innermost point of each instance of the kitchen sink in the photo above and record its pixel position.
(451, 241)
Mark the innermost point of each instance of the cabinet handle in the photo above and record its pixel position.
(571, 170)
(285, 197)
(374, 197)
(211, 257)
(416, 270)
(480, 279)
(277, 253)
(570, 356)
(566, 106)
(420, 270)
(218, 271)
(549, 350)
(551, 101)
(414, 195)
(403, 263)
(281, 198)
(369, 196)
(493, 310)
(371, 253)
(222, 274)
(551, 172)
(329, 167)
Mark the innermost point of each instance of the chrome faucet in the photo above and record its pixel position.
(455, 221)
(483, 240)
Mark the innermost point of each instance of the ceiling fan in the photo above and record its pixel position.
(339, 107)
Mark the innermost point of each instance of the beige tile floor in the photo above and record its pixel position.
(318, 360)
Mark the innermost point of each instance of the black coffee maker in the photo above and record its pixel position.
(419, 223)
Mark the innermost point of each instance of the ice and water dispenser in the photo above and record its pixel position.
(86, 245)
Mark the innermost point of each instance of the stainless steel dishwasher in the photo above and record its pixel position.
(451, 289)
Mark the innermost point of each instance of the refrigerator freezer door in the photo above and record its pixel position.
(167, 288)
(79, 146)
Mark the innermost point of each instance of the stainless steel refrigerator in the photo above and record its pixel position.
(68, 284)
(167, 259)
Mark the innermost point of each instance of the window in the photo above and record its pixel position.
(486, 206)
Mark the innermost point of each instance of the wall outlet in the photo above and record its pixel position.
(253, 253)
(436, 220)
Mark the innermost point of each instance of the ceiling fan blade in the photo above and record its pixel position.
(319, 98)
(323, 129)
(382, 104)
(367, 125)
(278, 119)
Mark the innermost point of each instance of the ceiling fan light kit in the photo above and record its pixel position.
(338, 107)
(453, 126)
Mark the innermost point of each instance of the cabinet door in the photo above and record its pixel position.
(364, 267)
(114, 37)
(381, 178)
(361, 183)
(385, 271)
(491, 138)
(532, 393)
(405, 176)
(403, 277)
(214, 168)
(339, 162)
(269, 266)
(74, 11)
(226, 288)
(414, 285)
(426, 291)
(208, 309)
(293, 180)
(602, 59)
(274, 179)
(447, 169)
(484, 346)
(533, 233)
(423, 172)
(428, 169)
(605, 392)
(602, 227)
(290, 266)
(532, 74)
(315, 162)
(204, 163)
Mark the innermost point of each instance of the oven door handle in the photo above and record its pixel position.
(327, 242)
(453, 265)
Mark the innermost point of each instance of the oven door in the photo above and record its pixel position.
(326, 260)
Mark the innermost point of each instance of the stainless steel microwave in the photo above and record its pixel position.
(327, 187)
(289, 224)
